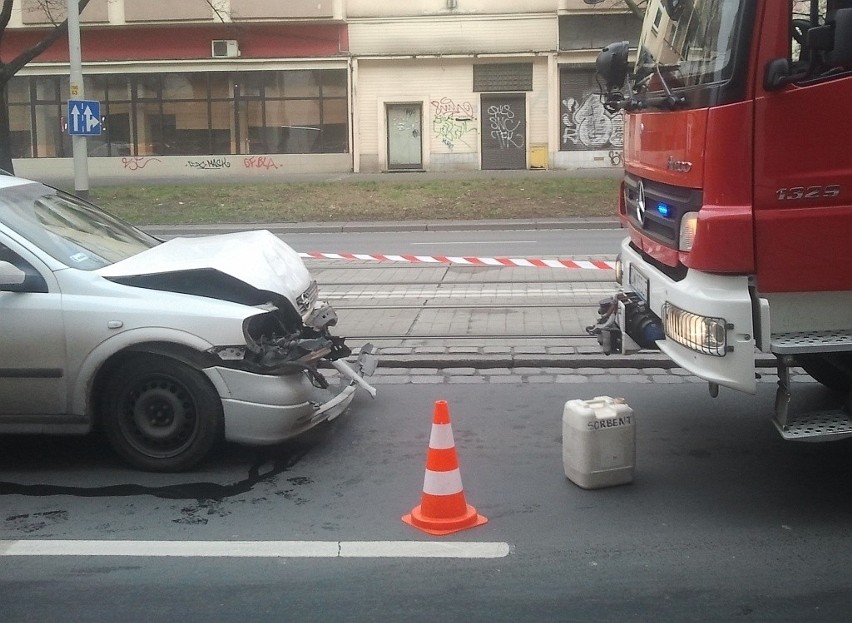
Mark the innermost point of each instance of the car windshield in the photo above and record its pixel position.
(686, 43)
(68, 229)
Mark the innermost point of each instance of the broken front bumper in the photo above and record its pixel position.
(266, 409)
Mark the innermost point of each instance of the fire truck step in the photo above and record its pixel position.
(811, 342)
(829, 425)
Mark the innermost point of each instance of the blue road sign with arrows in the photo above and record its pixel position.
(84, 117)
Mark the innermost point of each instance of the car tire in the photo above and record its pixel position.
(161, 415)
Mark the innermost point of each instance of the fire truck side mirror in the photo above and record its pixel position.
(841, 50)
(832, 42)
(611, 64)
(777, 74)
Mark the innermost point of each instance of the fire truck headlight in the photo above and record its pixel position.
(688, 225)
(703, 334)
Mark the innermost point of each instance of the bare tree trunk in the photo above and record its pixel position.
(5, 133)
(8, 70)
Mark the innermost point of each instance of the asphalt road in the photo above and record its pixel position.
(723, 521)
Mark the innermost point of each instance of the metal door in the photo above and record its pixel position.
(504, 130)
(405, 137)
(803, 179)
(32, 349)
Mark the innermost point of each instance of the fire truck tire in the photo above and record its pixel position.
(832, 370)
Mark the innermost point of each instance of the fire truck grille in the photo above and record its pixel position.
(656, 208)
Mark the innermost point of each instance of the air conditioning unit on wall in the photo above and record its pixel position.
(225, 48)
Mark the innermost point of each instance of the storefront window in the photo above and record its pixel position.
(334, 126)
(19, 123)
(119, 88)
(222, 128)
(251, 84)
(190, 134)
(293, 126)
(184, 86)
(253, 128)
(297, 84)
(18, 98)
(48, 130)
(47, 89)
(148, 125)
(117, 135)
(147, 86)
(197, 113)
(18, 91)
(334, 84)
(220, 86)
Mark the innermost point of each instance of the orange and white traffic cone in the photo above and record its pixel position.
(443, 508)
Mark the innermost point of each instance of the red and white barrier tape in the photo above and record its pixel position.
(466, 261)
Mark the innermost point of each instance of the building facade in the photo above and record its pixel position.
(257, 87)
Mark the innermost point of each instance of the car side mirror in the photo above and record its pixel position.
(10, 275)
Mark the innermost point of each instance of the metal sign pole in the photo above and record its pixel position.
(78, 143)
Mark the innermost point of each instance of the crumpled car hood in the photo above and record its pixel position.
(242, 267)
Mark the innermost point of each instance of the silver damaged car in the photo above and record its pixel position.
(168, 346)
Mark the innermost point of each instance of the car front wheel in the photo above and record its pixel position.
(161, 415)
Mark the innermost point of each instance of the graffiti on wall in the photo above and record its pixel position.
(453, 122)
(587, 124)
(134, 163)
(264, 163)
(504, 127)
(209, 164)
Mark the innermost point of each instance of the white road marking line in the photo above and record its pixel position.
(256, 549)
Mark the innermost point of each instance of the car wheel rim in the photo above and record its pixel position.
(159, 417)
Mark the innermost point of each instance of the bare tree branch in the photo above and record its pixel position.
(48, 7)
(8, 70)
(5, 15)
(25, 56)
(217, 9)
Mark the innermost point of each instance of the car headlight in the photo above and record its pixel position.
(307, 299)
(704, 334)
(688, 225)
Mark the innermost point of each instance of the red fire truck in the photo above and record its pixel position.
(737, 195)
